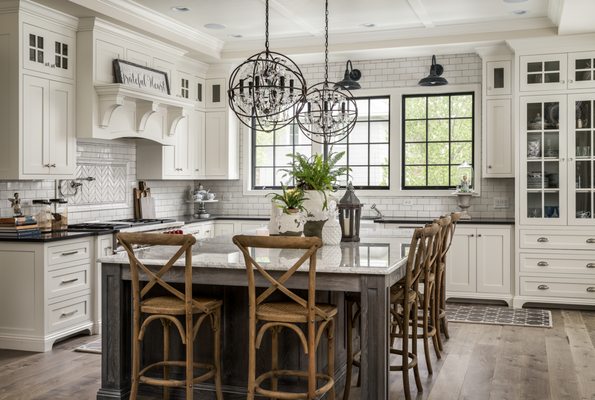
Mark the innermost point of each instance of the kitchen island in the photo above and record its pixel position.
(369, 267)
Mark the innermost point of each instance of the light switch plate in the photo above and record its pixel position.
(408, 202)
(501, 202)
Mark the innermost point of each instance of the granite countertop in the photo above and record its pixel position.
(53, 236)
(374, 254)
(425, 220)
(188, 219)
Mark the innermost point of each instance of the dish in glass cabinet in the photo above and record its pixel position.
(552, 116)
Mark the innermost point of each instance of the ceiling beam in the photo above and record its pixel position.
(576, 16)
(295, 18)
(420, 10)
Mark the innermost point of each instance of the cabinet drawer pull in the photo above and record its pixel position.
(69, 281)
(472, 235)
(68, 314)
(47, 165)
(542, 264)
(591, 265)
(543, 240)
(591, 289)
(53, 165)
(543, 287)
(591, 240)
(69, 253)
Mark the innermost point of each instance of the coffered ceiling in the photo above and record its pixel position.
(358, 28)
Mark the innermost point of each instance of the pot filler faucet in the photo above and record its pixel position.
(378, 212)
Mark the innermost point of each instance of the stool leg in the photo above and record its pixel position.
(251, 357)
(274, 357)
(414, 348)
(166, 325)
(433, 319)
(135, 358)
(443, 320)
(189, 355)
(437, 297)
(348, 318)
(331, 356)
(405, 355)
(425, 324)
(217, 352)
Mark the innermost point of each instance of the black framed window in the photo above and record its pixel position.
(367, 148)
(270, 155)
(438, 136)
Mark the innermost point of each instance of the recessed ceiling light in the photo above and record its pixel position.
(514, 1)
(519, 12)
(214, 26)
(368, 25)
(236, 35)
(180, 9)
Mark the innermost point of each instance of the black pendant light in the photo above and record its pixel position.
(434, 79)
(350, 78)
(330, 111)
(267, 88)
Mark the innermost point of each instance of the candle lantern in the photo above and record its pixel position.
(350, 212)
(465, 178)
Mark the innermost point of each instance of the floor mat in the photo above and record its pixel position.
(91, 347)
(497, 315)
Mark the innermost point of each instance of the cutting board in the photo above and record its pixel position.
(147, 207)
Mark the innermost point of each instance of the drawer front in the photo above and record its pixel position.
(558, 287)
(64, 253)
(68, 280)
(558, 263)
(65, 314)
(557, 240)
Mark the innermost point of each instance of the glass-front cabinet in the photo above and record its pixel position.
(543, 72)
(581, 179)
(581, 70)
(543, 160)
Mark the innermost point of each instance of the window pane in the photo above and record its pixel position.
(438, 176)
(358, 154)
(362, 109)
(461, 129)
(415, 131)
(461, 106)
(281, 177)
(379, 176)
(379, 109)
(264, 138)
(415, 153)
(415, 107)
(305, 150)
(460, 152)
(359, 133)
(415, 176)
(264, 156)
(438, 130)
(281, 156)
(438, 153)
(283, 136)
(378, 132)
(300, 139)
(379, 154)
(438, 107)
(337, 148)
(359, 176)
(263, 177)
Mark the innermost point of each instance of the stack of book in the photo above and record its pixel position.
(17, 227)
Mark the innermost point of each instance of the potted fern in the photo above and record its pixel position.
(317, 177)
(291, 201)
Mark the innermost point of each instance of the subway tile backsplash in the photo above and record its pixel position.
(113, 164)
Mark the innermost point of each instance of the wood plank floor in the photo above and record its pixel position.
(479, 362)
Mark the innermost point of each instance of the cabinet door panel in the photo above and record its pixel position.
(105, 54)
(498, 139)
(62, 142)
(460, 263)
(216, 151)
(543, 72)
(196, 142)
(36, 155)
(498, 74)
(493, 260)
(581, 70)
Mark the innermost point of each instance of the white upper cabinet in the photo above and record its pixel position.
(498, 140)
(581, 70)
(543, 72)
(48, 52)
(216, 93)
(498, 75)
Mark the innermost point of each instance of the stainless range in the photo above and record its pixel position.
(127, 225)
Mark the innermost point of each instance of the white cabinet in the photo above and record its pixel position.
(49, 144)
(216, 94)
(48, 52)
(543, 72)
(224, 228)
(498, 160)
(479, 263)
(45, 292)
(581, 70)
(498, 75)
(196, 143)
(221, 145)
(103, 247)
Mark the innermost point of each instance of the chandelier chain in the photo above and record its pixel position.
(325, 41)
(266, 26)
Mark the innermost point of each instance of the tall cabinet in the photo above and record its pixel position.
(555, 246)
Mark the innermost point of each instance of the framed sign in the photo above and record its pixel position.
(139, 76)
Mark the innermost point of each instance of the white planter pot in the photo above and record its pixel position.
(290, 224)
(314, 205)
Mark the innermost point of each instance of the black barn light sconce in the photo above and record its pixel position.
(350, 78)
(434, 79)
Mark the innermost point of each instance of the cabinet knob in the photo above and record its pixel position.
(591, 289)
(562, 159)
(46, 165)
(562, 81)
(542, 264)
(570, 159)
(196, 170)
(53, 65)
(543, 287)
(479, 235)
(47, 64)
(489, 167)
(591, 240)
(472, 235)
(543, 240)
(570, 81)
(591, 265)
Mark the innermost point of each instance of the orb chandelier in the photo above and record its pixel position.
(330, 111)
(268, 88)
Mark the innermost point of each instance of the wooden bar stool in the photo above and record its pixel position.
(442, 324)
(404, 298)
(168, 309)
(275, 316)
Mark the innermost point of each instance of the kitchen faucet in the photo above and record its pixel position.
(378, 212)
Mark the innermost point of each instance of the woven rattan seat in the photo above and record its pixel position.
(398, 294)
(291, 312)
(178, 311)
(304, 317)
(174, 306)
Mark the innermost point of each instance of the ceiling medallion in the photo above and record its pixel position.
(330, 111)
(267, 89)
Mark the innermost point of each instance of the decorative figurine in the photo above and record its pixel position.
(15, 203)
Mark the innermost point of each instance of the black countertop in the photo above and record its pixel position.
(425, 220)
(53, 236)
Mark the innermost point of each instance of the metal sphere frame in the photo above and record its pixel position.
(329, 112)
(268, 88)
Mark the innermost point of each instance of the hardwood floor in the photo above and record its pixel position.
(479, 362)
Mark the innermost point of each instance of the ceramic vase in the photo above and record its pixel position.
(273, 224)
(331, 231)
(290, 224)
